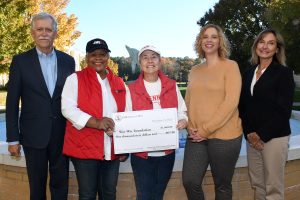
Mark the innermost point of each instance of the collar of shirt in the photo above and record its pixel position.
(41, 54)
(48, 63)
(262, 71)
(254, 79)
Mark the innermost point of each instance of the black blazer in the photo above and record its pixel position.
(268, 111)
(40, 116)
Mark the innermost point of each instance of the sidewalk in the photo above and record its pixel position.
(296, 104)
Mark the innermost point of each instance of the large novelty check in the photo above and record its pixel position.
(147, 130)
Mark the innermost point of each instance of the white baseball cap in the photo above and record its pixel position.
(148, 47)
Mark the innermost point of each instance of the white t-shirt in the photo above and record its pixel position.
(154, 90)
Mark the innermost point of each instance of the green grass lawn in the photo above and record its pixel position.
(297, 95)
(182, 91)
(296, 108)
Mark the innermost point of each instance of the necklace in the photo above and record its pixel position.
(259, 71)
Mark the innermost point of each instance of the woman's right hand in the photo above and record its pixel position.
(106, 124)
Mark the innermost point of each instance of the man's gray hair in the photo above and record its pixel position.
(44, 15)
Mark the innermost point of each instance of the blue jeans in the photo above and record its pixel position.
(96, 176)
(152, 175)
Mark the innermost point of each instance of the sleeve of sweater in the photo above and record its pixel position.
(230, 103)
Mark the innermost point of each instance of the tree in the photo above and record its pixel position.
(113, 66)
(14, 32)
(185, 65)
(284, 16)
(82, 64)
(241, 20)
(66, 25)
(15, 16)
(169, 67)
(124, 67)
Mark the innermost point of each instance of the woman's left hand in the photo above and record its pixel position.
(182, 124)
(109, 132)
(195, 136)
(255, 141)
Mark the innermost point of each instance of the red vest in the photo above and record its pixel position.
(88, 143)
(142, 101)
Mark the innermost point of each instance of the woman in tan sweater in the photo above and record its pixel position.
(214, 125)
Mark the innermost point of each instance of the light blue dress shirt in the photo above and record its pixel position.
(49, 69)
(48, 64)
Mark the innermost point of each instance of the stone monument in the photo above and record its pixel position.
(133, 53)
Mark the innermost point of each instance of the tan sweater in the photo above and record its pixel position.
(212, 99)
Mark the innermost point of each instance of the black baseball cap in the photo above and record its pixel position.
(96, 44)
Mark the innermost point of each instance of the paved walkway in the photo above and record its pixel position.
(296, 104)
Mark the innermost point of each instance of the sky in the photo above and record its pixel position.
(169, 25)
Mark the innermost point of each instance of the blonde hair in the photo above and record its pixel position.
(279, 56)
(224, 49)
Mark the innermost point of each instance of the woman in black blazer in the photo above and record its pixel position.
(265, 109)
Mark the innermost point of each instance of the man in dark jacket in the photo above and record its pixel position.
(37, 78)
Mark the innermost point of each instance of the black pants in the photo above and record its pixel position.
(221, 155)
(96, 176)
(37, 161)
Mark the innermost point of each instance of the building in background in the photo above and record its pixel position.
(78, 57)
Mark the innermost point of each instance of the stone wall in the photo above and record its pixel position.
(14, 184)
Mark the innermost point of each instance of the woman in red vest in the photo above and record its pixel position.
(89, 98)
(154, 90)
